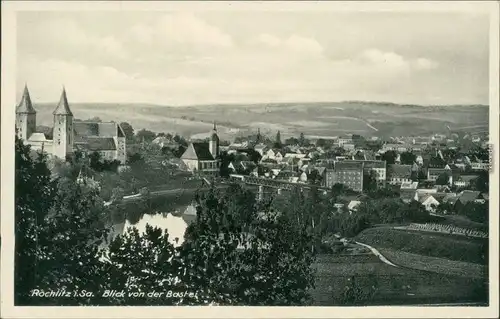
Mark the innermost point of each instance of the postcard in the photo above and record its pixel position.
(249, 159)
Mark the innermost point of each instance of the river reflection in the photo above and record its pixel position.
(174, 222)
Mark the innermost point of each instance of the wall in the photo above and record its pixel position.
(191, 164)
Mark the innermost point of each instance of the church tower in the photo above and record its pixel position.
(25, 116)
(63, 128)
(213, 144)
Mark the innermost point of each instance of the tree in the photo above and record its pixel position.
(229, 256)
(77, 220)
(128, 130)
(59, 227)
(408, 158)
(48, 131)
(302, 139)
(389, 157)
(482, 182)
(321, 142)
(277, 142)
(292, 141)
(443, 179)
(181, 141)
(314, 177)
(117, 194)
(370, 181)
(33, 197)
(477, 212)
(145, 135)
(223, 260)
(414, 176)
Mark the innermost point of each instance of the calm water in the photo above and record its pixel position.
(175, 222)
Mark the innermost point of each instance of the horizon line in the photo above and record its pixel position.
(277, 103)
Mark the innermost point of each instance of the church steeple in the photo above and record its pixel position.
(213, 143)
(25, 106)
(63, 128)
(25, 116)
(63, 106)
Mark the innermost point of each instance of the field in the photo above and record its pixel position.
(463, 222)
(314, 119)
(394, 286)
(445, 246)
(435, 264)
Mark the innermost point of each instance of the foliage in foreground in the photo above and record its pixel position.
(236, 252)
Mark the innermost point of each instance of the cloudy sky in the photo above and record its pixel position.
(182, 58)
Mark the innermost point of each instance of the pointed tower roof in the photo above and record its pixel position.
(25, 106)
(63, 106)
(214, 131)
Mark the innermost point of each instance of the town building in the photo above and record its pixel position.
(434, 173)
(344, 140)
(329, 179)
(378, 167)
(69, 136)
(408, 191)
(203, 157)
(349, 173)
(429, 202)
(464, 180)
(398, 174)
(480, 166)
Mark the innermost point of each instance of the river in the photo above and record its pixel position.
(174, 221)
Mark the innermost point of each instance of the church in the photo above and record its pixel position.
(106, 138)
(203, 157)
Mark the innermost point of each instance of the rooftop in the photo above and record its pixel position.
(25, 105)
(348, 165)
(198, 151)
(397, 170)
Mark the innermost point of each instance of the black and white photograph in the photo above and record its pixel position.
(242, 154)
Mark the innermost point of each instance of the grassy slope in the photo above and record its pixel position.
(396, 286)
(319, 119)
(435, 264)
(428, 244)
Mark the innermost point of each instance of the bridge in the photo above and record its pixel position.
(273, 183)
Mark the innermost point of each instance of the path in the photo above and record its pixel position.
(378, 254)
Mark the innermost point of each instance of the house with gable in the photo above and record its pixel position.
(398, 174)
(203, 157)
(466, 197)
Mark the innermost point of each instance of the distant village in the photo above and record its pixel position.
(441, 168)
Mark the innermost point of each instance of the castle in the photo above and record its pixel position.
(105, 138)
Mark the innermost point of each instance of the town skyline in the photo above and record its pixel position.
(183, 59)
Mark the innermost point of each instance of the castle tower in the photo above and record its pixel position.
(25, 116)
(63, 128)
(213, 144)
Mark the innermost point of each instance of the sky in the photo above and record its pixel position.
(183, 58)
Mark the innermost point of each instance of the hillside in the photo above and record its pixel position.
(313, 119)
(452, 247)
